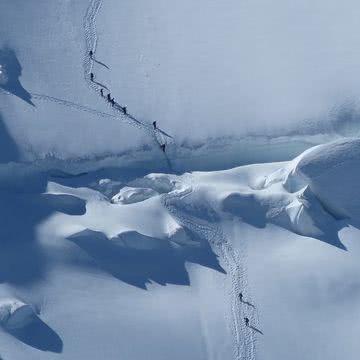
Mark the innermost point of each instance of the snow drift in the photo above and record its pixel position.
(332, 172)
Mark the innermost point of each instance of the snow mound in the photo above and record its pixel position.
(161, 183)
(300, 212)
(15, 314)
(332, 172)
(130, 195)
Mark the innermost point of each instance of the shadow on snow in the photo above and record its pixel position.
(259, 213)
(256, 330)
(22, 258)
(9, 151)
(39, 335)
(10, 73)
(162, 265)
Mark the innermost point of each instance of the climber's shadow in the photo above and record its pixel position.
(248, 304)
(256, 330)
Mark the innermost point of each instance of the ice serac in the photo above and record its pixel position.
(332, 172)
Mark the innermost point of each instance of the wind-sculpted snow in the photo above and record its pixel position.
(331, 173)
(118, 220)
(15, 314)
(129, 195)
(21, 321)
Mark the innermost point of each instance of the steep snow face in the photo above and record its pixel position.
(234, 69)
(258, 196)
(332, 172)
(149, 59)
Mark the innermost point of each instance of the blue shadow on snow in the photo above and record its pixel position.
(162, 265)
(11, 71)
(39, 335)
(9, 151)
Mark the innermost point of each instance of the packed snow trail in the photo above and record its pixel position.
(242, 336)
(126, 118)
(157, 134)
(71, 104)
(90, 39)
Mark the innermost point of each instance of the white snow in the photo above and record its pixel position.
(129, 195)
(110, 248)
(331, 170)
(207, 236)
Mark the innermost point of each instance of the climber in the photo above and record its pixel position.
(154, 125)
(241, 297)
(246, 321)
(124, 109)
(108, 97)
(162, 147)
(91, 76)
(91, 53)
(102, 92)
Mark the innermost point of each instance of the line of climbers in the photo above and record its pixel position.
(115, 104)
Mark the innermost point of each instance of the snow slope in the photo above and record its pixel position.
(241, 77)
(157, 273)
(101, 257)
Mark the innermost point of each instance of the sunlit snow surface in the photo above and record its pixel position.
(152, 266)
(103, 258)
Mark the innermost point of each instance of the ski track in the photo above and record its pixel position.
(243, 337)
